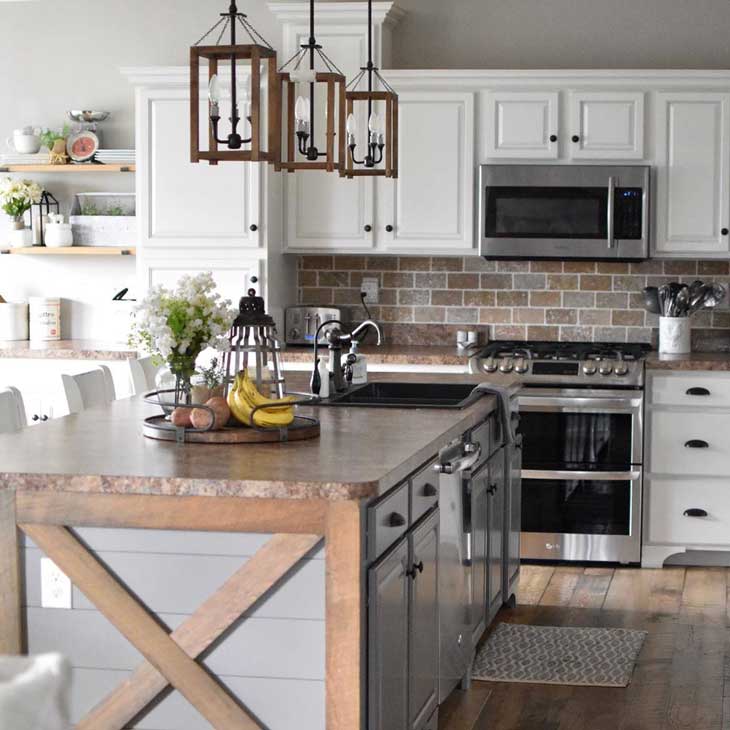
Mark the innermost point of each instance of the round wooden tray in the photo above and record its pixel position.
(301, 428)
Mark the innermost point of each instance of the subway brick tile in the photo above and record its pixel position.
(579, 299)
(713, 268)
(595, 282)
(349, 263)
(675, 268)
(317, 295)
(612, 300)
(414, 296)
(628, 317)
(545, 298)
(576, 334)
(496, 281)
(529, 281)
(447, 263)
(430, 281)
(639, 334)
(356, 277)
(479, 298)
(512, 298)
(452, 297)
(477, 263)
(511, 266)
(397, 280)
(563, 282)
(546, 267)
(317, 262)
(414, 263)
(659, 280)
(652, 266)
(609, 334)
(463, 281)
(396, 314)
(388, 296)
(721, 320)
(346, 296)
(462, 315)
(613, 267)
(307, 278)
(579, 267)
(528, 315)
(549, 334)
(381, 263)
(509, 332)
(594, 316)
(495, 315)
(430, 314)
(334, 279)
(561, 316)
(628, 283)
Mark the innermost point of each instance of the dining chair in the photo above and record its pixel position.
(12, 410)
(142, 373)
(88, 390)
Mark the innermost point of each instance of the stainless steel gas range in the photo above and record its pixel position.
(581, 418)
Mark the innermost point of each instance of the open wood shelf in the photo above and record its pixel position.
(68, 168)
(72, 251)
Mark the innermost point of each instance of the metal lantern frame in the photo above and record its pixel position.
(382, 146)
(43, 207)
(256, 54)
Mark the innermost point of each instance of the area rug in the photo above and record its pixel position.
(559, 655)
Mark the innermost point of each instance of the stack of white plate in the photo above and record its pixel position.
(15, 158)
(115, 157)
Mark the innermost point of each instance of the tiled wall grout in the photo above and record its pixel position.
(571, 300)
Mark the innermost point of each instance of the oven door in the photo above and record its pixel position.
(581, 515)
(564, 211)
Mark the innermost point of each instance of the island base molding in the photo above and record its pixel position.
(298, 526)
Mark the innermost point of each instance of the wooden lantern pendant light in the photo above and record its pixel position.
(245, 94)
(380, 153)
(301, 148)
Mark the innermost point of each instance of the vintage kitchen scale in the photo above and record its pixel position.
(252, 338)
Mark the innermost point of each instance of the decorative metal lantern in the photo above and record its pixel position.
(300, 114)
(253, 336)
(381, 147)
(244, 92)
(47, 204)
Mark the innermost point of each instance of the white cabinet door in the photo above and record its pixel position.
(185, 205)
(323, 210)
(430, 205)
(693, 164)
(607, 125)
(522, 124)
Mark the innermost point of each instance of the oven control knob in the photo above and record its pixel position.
(606, 367)
(490, 365)
(505, 366)
(589, 367)
(621, 369)
(521, 366)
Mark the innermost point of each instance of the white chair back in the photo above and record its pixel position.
(142, 373)
(88, 390)
(12, 410)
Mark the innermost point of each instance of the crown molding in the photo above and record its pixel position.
(331, 13)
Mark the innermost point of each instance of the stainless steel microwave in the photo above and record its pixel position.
(564, 211)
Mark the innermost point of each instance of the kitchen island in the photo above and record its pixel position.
(95, 472)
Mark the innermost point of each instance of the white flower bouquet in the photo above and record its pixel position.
(17, 196)
(176, 326)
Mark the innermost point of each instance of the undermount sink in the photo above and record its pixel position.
(408, 395)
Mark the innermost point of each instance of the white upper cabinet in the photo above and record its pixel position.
(430, 205)
(607, 125)
(182, 204)
(693, 165)
(522, 124)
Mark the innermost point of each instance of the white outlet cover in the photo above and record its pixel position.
(370, 287)
(55, 586)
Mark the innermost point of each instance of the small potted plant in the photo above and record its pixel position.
(209, 382)
(16, 198)
(56, 143)
(175, 326)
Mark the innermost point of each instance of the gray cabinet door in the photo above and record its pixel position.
(479, 530)
(496, 491)
(424, 622)
(514, 517)
(388, 596)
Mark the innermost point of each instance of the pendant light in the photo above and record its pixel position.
(247, 64)
(379, 155)
(302, 152)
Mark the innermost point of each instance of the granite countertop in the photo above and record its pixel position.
(388, 354)
(361, 453)
(65, 350)
(691, 361)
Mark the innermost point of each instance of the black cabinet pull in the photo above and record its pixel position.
(36, 417)
(389, 228)
(553, 137)
(415, 569)
(697, 444)
(575, 138)
(396, 519)
(492, 488)
(698, 391)
(695, 512)
(44, 418)
(253, 228)
(724, 231)
(368, 228)
(430, 491)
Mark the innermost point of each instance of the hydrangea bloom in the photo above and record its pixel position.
(16, 196)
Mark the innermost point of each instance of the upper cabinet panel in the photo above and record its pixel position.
(607, 125)
(182, 204)
(522, 124)
(693, 166)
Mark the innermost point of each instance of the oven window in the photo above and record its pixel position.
(541, 212)
(568, 506)
(576, 441)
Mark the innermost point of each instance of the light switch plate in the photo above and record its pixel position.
(55, 586)
(370, 288)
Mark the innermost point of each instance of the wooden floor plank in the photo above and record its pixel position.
(561, 587)
(534, 580)
(592, 587)
(704, 599)
(657, 591)
(462, 710)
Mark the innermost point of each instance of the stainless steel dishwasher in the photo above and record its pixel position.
(456, 464)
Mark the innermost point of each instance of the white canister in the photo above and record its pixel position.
(675, 335)
(57, 233)
(13, 321)
(45, 318)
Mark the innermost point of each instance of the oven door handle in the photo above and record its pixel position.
(588, 476)
(609, 212)
(548, 404)
(472, 454)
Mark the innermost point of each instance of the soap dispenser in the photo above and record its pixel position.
(359, 365)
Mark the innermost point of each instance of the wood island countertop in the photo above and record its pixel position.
(361, 453)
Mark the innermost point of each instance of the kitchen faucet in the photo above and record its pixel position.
(336, 338)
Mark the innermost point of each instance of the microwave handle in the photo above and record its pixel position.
(609, 211)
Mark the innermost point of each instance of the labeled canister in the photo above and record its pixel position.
(45, 318)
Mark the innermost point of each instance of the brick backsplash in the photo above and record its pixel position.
(426, 299)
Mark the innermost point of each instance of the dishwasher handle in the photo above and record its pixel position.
(472, 454)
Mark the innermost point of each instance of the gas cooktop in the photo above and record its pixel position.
(565, 363)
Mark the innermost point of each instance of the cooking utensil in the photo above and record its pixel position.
(663, 295)
(120, 295)
(714, 296)
(682, 302)
(651, 300)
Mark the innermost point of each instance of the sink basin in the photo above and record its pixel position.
(408, 395)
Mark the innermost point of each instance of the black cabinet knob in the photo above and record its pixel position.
(44, 418)
(724, 231)
(553, 137)
(389, 228)
(36, 417)
(368, 228)
(429, 490)
(698, 391)
(575, 138)
(396, 519)
(697, 444)
(253, 228)
(695, 512)
(254, 279)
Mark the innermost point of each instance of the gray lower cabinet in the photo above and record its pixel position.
(479, 551)
(513, 519)
(403, 631)
(495, 548)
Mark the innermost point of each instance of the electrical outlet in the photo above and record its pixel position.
(369, 287)
(55, 586)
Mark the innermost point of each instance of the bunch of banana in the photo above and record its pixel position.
(244, 397)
